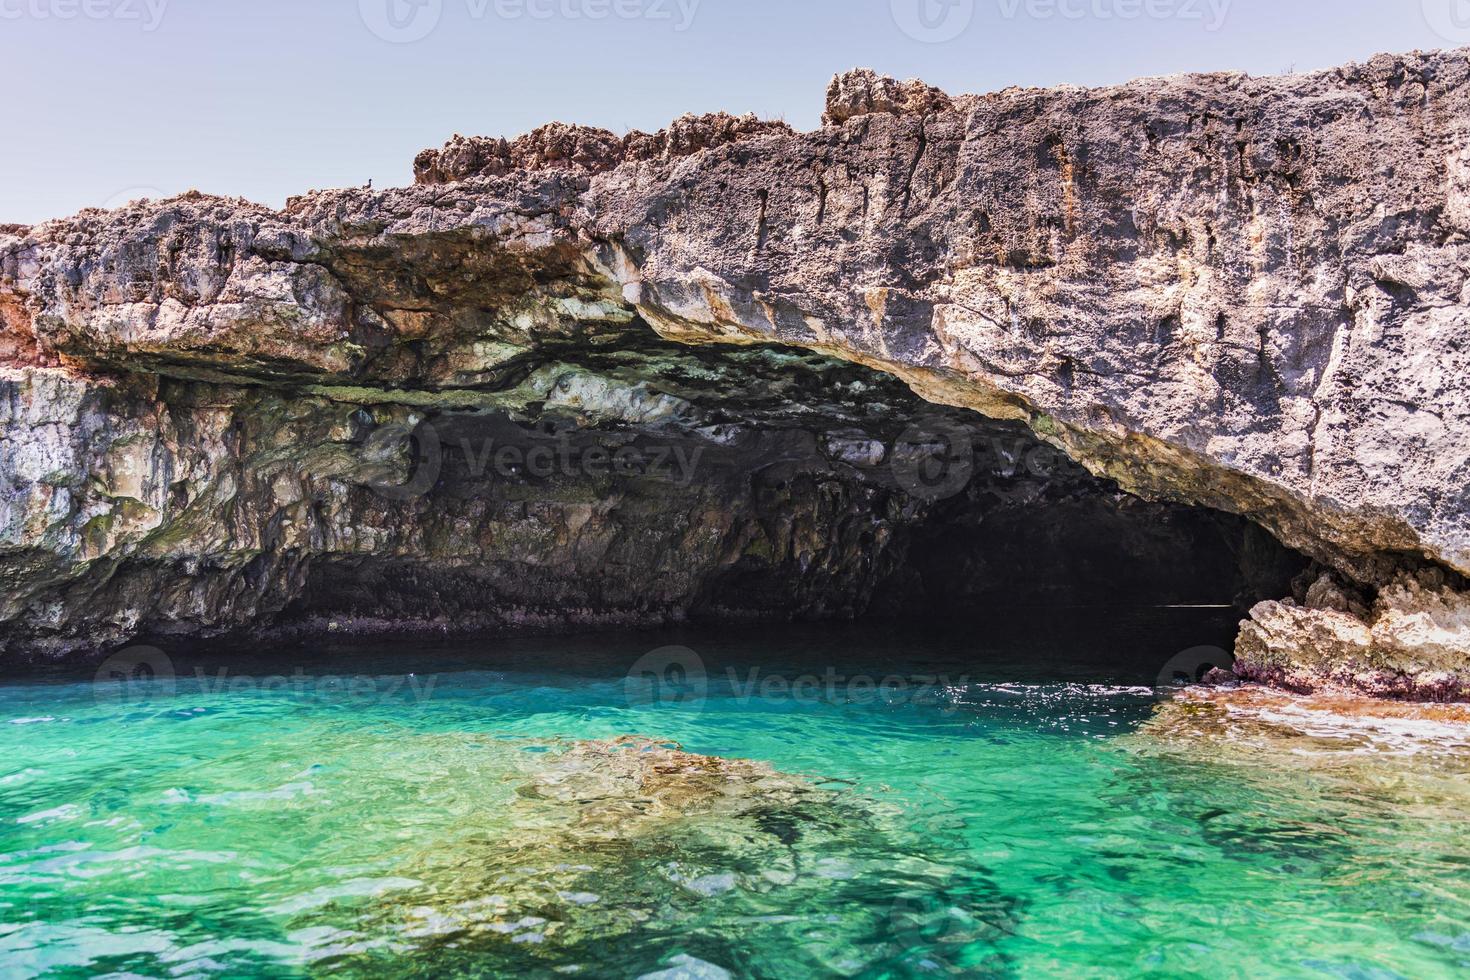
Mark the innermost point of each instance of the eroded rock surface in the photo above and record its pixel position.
(584, 149)
(1413, 643)
(1237, 293)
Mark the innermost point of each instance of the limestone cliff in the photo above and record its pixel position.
(1247, 295)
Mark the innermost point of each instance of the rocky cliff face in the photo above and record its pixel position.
(1243, 295)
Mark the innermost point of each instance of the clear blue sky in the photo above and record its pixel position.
(265, 98)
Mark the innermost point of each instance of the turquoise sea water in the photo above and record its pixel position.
(988, 811)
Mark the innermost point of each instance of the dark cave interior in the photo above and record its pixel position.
(727, 485)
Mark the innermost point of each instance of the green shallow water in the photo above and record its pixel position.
(400, 811)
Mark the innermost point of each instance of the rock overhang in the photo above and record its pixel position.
(1246, 294)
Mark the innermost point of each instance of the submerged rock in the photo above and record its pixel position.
(636, 842)
(1308, 784)
(1332, 732)
(622, 783)
(1413, 757)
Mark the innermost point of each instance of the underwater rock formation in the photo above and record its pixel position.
(632, 840)
(1422, 749)
(1221, 292)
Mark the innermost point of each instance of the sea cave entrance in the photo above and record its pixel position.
(672, 486)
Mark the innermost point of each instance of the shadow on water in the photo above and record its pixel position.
(1043, 645)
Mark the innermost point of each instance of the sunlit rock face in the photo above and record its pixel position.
(1413, 642)
(1240, 294)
